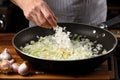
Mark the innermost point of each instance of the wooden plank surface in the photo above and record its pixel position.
(100, 73)
(116, 32)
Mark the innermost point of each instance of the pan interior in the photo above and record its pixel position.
(93, 33)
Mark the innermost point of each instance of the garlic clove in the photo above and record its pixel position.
(24, 68)
(5, 55)
(0, 57)
(15, 67)
(12, 61)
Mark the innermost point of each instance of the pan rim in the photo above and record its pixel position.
(109, 51)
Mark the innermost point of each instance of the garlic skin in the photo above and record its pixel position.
(8, 64)
(5, 66)
(24, 68)
(15, 67)
(5, 55)
(12, 61)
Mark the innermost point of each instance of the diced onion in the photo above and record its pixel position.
(59, 46)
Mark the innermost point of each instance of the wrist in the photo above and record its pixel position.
(23, 3)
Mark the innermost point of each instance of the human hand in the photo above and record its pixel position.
(39, 12)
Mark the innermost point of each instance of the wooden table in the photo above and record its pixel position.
(100, 73)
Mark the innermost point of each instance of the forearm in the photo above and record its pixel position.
(23, 3)
(38, 12)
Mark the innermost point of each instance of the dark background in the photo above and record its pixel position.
(15, 20)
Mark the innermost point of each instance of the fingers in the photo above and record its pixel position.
(41, 14)
(49, 15)
(46, 19)
(40, 20)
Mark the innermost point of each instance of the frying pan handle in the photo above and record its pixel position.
(1, 25)
(110, 23)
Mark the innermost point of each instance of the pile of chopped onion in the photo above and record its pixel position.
(60, 46)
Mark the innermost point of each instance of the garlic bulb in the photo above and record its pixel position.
(5, 66)
(8, 65)
(5, 55)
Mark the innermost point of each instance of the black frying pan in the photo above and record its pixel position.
(109, 41)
